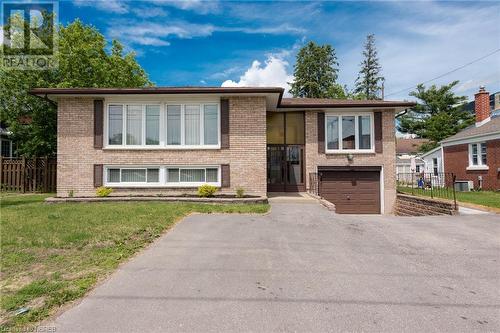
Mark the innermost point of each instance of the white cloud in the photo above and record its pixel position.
(114, 6)
(155, 34)
(149, 12)
(272, 30)
(198, 6)
(273, 73)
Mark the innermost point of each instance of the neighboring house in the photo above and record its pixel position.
(407, 161)
(166, 141)
(433, 161)
(473, 154)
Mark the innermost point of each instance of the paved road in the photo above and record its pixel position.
(302, 269)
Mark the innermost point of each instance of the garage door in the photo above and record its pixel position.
(352, 191)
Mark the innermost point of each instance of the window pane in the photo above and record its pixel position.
(173, 124)
(483, 153)
(152, 124)
(211, 126)
(134, 124)
(348, 137)
(173, 175)
(474, 154)
(192, 124)
(294, 128)
(115, 124)
(332, 132)
(133, 175)
(212, 175)
(153, 175)
(275, 128)
(192, 175)
(364, 138)
(113, 175)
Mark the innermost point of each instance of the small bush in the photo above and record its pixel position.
(71, 193)
(240, 192)
(206, 191)
(103, 191)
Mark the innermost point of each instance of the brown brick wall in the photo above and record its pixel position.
(386, 159)
(76, 154)
(408, 205)
(456, 160)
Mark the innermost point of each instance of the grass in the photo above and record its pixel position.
(483, 198)
(53, 254)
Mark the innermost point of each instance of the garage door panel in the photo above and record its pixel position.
(352, 191)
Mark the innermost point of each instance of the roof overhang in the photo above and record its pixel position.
(273, 95)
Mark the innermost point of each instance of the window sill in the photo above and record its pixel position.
(161, 148)
(161, 186)
(477, 167)
(346, 152)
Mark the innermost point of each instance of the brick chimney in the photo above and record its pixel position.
(482, 105)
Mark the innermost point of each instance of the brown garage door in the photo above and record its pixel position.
(352, 191)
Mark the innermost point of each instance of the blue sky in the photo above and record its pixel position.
(254, 43)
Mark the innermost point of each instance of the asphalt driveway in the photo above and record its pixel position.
(302, 269)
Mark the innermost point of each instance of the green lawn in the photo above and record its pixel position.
(484, 198)
(53, 254)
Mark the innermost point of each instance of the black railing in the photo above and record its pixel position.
(434, 185)
(314, 183)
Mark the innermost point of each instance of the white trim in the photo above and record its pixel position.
(429, 152)
(472, 139)
(162, 176)
(479, 153)
(163, 125)
(482, 122)
(356, 116)
(477, 167)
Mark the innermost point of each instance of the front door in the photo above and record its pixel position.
(285, 152)
(285, 168)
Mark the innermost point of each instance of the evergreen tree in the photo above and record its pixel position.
(316, 72)
(368, 83)
(439, 113)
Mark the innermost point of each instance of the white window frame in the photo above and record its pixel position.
(163, 125)
(479, 165)
(356, 134)
(162, 183)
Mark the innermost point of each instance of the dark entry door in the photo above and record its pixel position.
(285, 151)
(285, 168)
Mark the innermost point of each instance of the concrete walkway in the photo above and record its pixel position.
(302, 269)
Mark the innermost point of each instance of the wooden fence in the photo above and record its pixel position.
(28, 175)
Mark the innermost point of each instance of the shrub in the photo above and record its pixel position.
(240, 192)
(71, 193)
(103, 191)
(206, 191)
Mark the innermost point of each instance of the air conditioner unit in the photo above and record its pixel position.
(464, 185)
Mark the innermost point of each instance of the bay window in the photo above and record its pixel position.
(349, 132)
(172, 126)
(162, 176)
